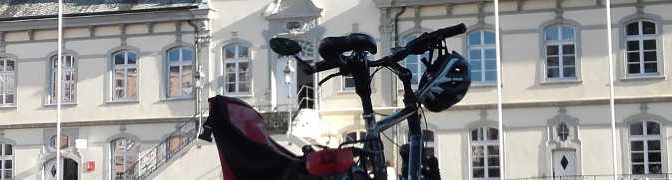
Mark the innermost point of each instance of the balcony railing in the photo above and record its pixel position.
(151, 160)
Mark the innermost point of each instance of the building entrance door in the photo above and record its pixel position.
(564, 164)
(70, 170)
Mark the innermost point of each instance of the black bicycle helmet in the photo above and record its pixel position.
(444, 83)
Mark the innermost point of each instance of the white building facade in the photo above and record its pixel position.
(131, 72)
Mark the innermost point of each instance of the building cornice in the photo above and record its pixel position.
(527, 104)
(402, 3)
(97, 123)
(101, 19)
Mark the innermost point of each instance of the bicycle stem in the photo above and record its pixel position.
(414, 128)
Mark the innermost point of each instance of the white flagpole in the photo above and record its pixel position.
(59, 80)
(611, 92)
(502, 172)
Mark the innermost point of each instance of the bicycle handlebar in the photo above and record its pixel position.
(418, 45)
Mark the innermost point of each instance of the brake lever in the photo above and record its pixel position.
(328, 77)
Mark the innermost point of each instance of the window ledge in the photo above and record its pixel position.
(62, 104)
(122, 101)
(642, 77)
(482, 85)
(346, 91)
(181, 98)
(7, 106)
(240, 95)
(561, 81)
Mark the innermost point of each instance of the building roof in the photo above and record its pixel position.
(35, 9)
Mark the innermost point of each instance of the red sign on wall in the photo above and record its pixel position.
(90, 166)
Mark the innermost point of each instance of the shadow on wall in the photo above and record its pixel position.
(34, 171)
(214, 173)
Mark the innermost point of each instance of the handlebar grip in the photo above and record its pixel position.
(422, 43)
(452, 30)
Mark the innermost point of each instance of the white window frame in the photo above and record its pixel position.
(236, 61)
(9, 86)
(482, 47)
(125, 67)
(4, 158)
(641, 37)
(559, 43)
(181, 63)
(69, 97)
(132, 153)
(645, 138)
(486, 155)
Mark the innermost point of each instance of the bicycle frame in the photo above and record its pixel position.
(360, 72)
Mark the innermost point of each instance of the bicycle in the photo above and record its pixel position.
(444, 83)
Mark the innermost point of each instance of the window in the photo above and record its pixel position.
(176, 143)
(428, 139)
(348, 83)
(307, 50)
(237, 69)
(482, 56)
(6, 161)
(560, 45)
(484, 153)
(124, 156)
(563, 132)
(355, 136)
(7, 80)
(125, 75)
(180, 81)
(414, 63)
(641, 53)
(645, 148)
(65, 142)
(68, 78)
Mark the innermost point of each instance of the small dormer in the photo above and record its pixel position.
(287, 9)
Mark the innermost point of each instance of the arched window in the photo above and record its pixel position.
(180, 72)
(124, 75)
(560, 45)
(6, 161)
(641, 51)
(237, 69)
(124, 156)
(645, 148)
(482, 56)
(414, 63)
(68, 79)
(7, 81)
(484, 153)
